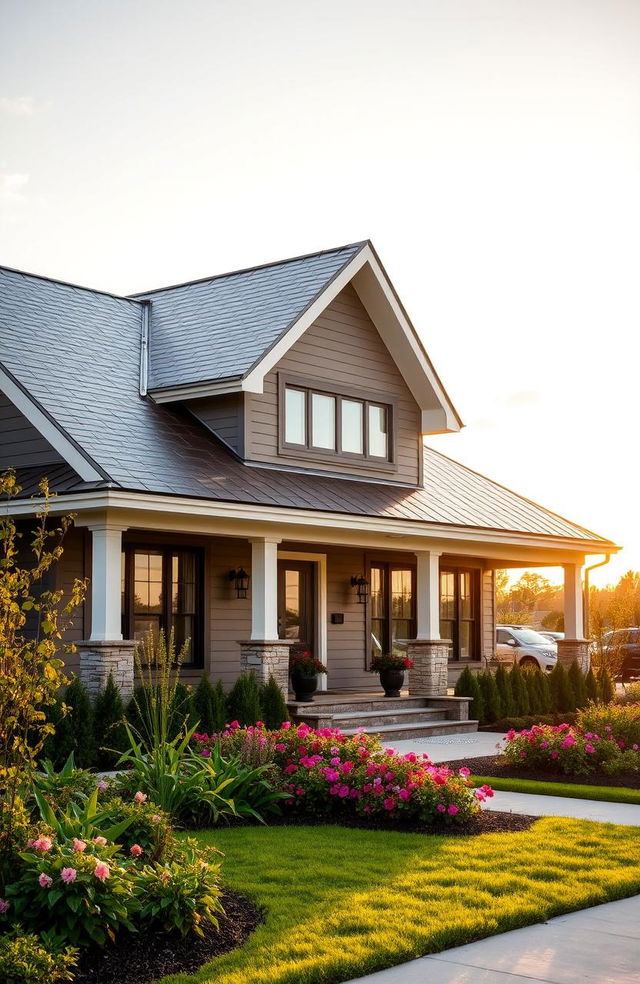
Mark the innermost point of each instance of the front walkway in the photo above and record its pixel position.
(450, 748)
(537, 805)
(595, 946)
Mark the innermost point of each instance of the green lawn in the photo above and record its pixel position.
(611, 794)
(343, 902)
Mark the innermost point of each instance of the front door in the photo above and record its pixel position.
(296, 610)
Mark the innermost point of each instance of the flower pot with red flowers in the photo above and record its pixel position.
(304, 669)
(391, 669)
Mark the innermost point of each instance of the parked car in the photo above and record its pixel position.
(551, 636)
(626, 643)
(518, 644)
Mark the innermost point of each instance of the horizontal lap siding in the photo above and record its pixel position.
(344, 350)
(72, 565)
(229, 617)
(21, 445)
(488, 614)
(346, 643)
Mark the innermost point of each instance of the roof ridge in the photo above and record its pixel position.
(249, 269)
(518, 495)
(69, 283)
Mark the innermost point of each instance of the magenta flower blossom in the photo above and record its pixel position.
(135, 851)
(79, 845)
(68, 875)
(140, 797)
(452, 809)
(464, 771)
(44, 881)
(43, 844)
(4, 906)
(102, 871)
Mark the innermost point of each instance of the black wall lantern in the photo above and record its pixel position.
(241, 581)
(360, 583)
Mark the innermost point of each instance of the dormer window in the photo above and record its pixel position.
(321, 423)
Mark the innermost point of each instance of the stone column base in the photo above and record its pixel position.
(428, 678)
(99, 659)
(574, 649)
(265, 658)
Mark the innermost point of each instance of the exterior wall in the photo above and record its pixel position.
(488, 614)
(73, 564)
(21, 445)
(224, 415)
(344, 350)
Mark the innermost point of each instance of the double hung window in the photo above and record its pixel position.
(328, 423)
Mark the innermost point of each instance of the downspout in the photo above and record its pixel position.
(585, 606)
(144, 346)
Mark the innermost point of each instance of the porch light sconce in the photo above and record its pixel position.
(240, 579)
(360, 583)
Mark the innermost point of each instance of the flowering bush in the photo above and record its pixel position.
(26, 960)
(305, 663)
(390, 661)
(618, 721)
(325, 774)
(562, 748)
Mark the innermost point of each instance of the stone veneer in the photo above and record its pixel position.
(571, 649)
(428, 678)
(99, 659)
(265, 658)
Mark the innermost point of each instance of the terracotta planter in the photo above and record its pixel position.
(392, 681)
(304, 686)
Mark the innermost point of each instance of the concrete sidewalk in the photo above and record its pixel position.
(445, 748)
(536, 805)
(596, 946)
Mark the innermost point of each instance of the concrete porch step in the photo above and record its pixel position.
(427, 729)
(324, 705)
(373, 719)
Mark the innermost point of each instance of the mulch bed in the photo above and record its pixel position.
(493, 765)
(148, 956)
(485, 822)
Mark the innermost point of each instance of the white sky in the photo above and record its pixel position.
(489, 148)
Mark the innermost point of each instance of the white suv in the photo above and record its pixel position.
(517, 644)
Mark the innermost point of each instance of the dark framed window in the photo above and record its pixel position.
(162, 589)
(392, 613)
(327, 424)
(460, 612)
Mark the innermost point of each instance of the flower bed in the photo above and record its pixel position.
(328, 774)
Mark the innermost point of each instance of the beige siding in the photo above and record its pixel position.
(21, 445)
(488, 614)
(344, 350)
(73, 565)
(224, 415)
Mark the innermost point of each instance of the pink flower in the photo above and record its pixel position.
(135, 851)
(452, 809)
(102, 785)
(280, 747)
(343, 791)
(165, 877)
(79, 845)
(43, 844)
(404, 794)
(4, 906)
(140, 797)
(156, 818)
(44, 881)
(441, 808)
(206, 752)
(102, 841)
(259, 724)
(589, 749)
(68, 875)
(389, 803)
(101, 871)
(285, 725)
(464, 771)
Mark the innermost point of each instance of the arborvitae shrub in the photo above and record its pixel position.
(530, 677)
(544, 690)
(75, 730)
(219, 707)
(503, 683)
(467, 686)
(606, 690)
(132, 714)
(591, 686)
(520, 692)
(578, 685)
(182, 713)
(562, 692)
(108, 732)
(490, 697)
(273, 705)
(203, 706)
(243, 701)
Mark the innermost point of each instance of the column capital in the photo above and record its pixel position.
(265, 539)
(428, 551)
(107, 526)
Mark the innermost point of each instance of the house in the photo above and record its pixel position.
(244, 455)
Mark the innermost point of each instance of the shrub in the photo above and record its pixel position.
(146, 823)
(243, 701)
(519, 690)
(181, 710)
(631, 694)
(530, 677)
(468, 686)
(560, 748)
(578, 685)
(620, 722)
(591, 686)
(606, 690)
(26, 960)
(74, 733)
(206, 707)
(544, 690)
(108, 732)
(528, 721)
(181, 894)
(273, 705)
(62, 787)
(503, 683)
(490, 697)
(563, 698)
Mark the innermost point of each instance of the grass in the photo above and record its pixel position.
(611, 794)
(344, 902)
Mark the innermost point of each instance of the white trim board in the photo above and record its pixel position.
(320, 560)
(51, 433)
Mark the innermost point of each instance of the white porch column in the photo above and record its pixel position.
(264, 588)
(428, 595)
(106, 550)
(573, 618)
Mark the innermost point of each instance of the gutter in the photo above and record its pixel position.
(145, 317)
(585, 605)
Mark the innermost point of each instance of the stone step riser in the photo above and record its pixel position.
(431, 730)
(370, 723)
(354, 707)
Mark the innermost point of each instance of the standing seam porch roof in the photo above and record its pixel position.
(76, 353)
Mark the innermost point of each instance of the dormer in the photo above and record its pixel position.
(311, 363)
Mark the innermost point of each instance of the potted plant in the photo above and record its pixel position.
(304, 669)
(391, 669)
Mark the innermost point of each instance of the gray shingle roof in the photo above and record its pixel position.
(76, 352)
(219, 328)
